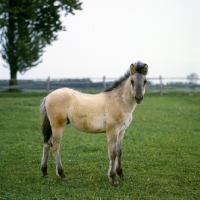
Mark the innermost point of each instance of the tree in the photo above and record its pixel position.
(192, 80)
(26, 27)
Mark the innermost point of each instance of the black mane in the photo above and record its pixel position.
(139, 68)
(118, 82)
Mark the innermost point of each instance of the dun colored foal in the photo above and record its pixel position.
(108, 112)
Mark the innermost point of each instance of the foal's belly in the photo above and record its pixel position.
(88, 123)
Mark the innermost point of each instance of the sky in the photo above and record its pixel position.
(105, 37)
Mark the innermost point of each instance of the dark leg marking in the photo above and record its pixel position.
(62, 174)
(44, 172)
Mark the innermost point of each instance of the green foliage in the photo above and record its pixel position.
(27, 27)
(161, 151)
(193, 78)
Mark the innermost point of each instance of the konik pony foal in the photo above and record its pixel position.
(108, 112)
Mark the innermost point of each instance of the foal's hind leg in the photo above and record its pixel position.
(57, 134)
(46, 148)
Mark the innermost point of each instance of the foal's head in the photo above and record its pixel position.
(138, 73)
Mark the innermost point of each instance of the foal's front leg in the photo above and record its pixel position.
(119, 153)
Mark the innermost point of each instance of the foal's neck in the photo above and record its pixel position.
(127, 97)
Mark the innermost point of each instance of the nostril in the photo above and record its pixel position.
(138, 98)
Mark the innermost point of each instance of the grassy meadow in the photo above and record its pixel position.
(161, 153)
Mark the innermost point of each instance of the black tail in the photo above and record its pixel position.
(46, 127)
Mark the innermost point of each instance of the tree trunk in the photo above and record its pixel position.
(11, 48)
(13, 80)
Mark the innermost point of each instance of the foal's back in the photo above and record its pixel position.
(86, 112)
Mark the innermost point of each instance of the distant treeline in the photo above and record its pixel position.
(85, 83)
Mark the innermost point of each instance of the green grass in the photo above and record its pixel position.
(161, 153)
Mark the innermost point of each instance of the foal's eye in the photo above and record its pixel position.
(132, 81)
(145, 81)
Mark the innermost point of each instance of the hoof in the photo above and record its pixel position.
(64, 179)
(44, 172)
(116, 184)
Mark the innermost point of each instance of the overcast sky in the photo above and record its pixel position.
(107, 36)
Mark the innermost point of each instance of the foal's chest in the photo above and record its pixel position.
(126, 122)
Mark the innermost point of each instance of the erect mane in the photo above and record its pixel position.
(139, 68)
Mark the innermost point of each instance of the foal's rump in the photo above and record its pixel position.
(85, 112)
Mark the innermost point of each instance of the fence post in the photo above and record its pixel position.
(104, 82)
(161, 86)
(48, 84)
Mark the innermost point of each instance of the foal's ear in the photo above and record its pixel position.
(146, 68)
(132, 69)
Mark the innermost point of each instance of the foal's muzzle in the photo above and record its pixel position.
(138, 98)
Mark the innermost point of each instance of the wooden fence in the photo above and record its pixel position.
(157, 84)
